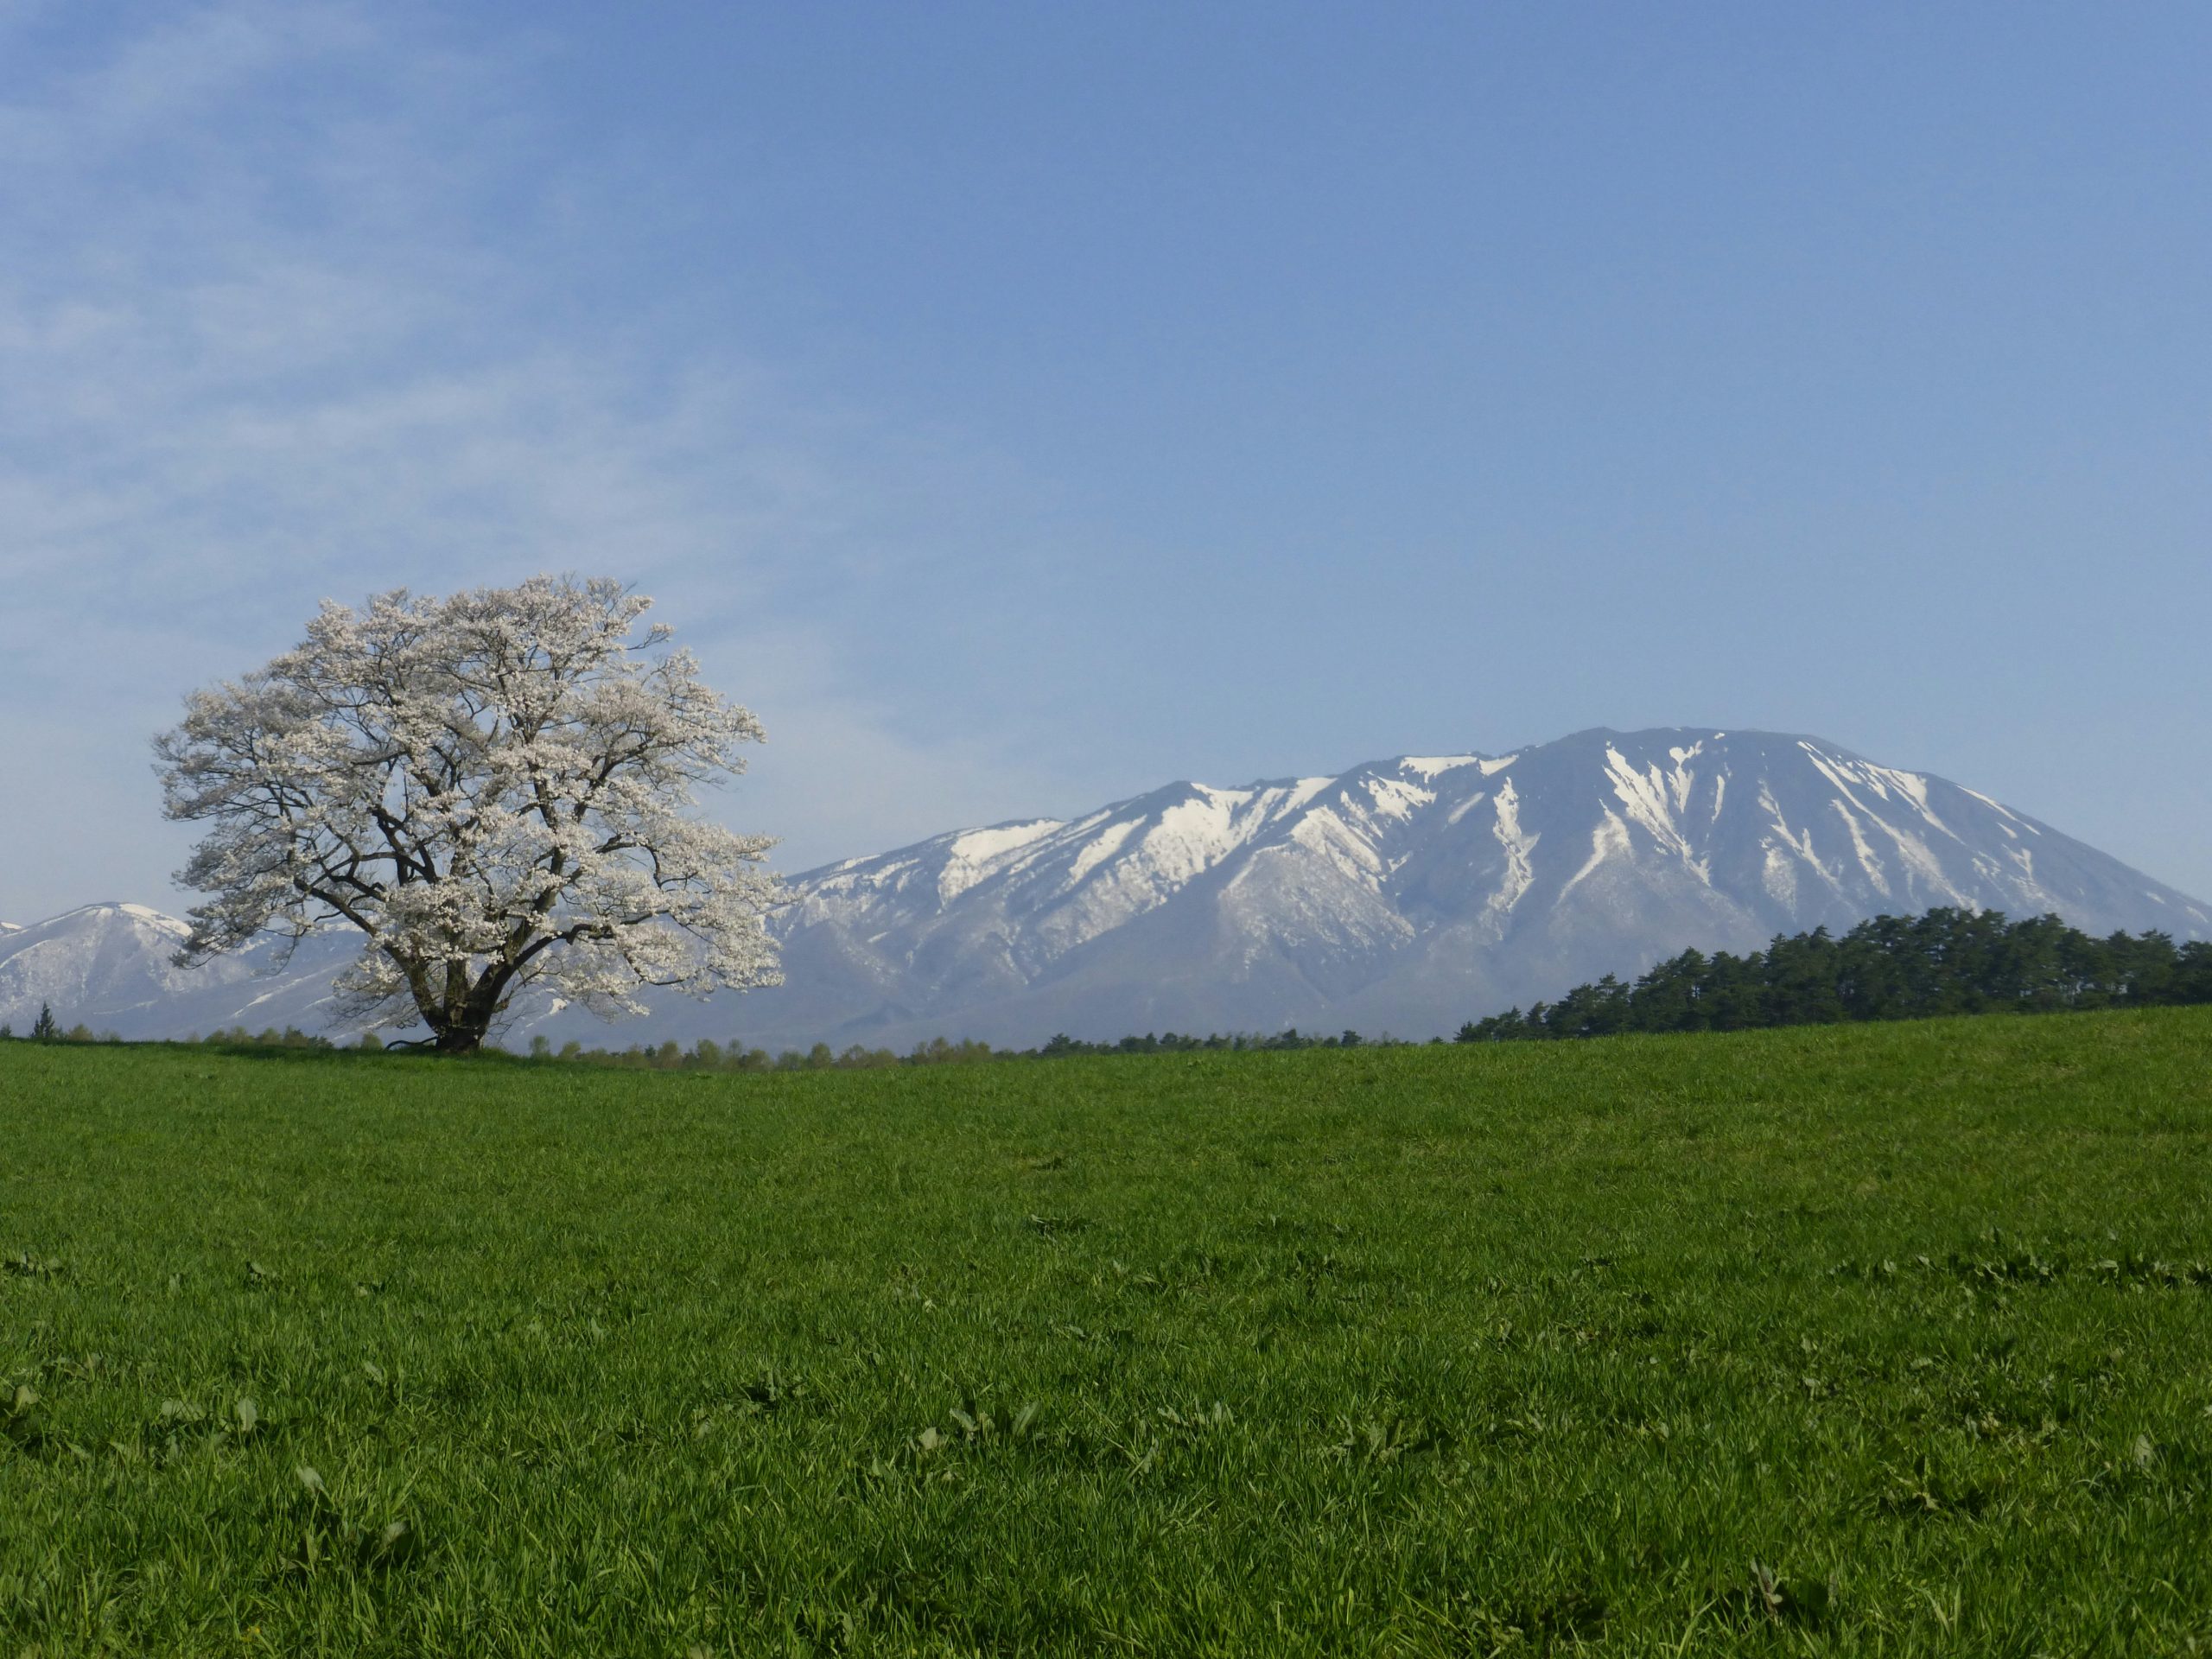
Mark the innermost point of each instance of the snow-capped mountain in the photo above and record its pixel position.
(1406, 895)
(107, 967)
(1409, 894)
(109, 956)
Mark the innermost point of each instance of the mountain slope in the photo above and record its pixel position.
(107, 967)
(1410, 893)
(1404, 895)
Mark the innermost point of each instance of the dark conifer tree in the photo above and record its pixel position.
(1945, 962)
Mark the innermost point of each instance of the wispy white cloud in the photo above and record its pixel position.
(257, 347)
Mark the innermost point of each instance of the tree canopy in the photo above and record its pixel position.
(497, 789)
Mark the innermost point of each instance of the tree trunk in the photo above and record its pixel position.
(462, 1024)
(461, 1019)
(460, 1037)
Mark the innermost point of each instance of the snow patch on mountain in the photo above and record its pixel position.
(1609, 840)
(976, 854)
(1429, 765)
(1520, 852)
(1099, 849)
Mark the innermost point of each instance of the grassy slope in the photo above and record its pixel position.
(1414, 1350)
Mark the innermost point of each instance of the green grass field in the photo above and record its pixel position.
(1853, 1339)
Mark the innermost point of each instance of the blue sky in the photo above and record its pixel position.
(1023, 406)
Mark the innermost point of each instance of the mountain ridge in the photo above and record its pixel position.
(1406, 894)
(1438, 860)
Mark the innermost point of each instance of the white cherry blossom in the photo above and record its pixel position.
(496, 788)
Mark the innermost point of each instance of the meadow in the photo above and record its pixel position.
(1878, 1339)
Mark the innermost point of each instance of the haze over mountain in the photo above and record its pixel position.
(1404, 895)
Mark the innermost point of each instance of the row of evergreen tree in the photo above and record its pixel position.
(1945, 962)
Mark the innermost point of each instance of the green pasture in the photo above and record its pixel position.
(1869, 1339)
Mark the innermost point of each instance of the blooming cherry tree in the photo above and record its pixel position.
(496, 788)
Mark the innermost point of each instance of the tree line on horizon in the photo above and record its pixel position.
(707, 1055)
(1946, 961)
